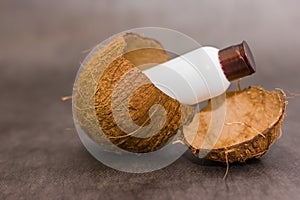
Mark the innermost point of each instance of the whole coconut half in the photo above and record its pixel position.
(252, 122)
(115, 104)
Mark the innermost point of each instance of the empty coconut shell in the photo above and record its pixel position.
(252, 121)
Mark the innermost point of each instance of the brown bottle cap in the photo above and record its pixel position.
(237, 61)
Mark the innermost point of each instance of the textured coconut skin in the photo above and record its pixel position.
(100, 91)
(139, 105)
(85, 87)
(253, 148)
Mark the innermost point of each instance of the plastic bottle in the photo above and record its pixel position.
(203, 73)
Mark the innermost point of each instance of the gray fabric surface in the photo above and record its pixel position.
(41, 44)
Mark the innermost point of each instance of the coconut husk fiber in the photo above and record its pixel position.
(116, 104)
(252, 122)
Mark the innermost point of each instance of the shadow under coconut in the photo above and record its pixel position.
(206, 162)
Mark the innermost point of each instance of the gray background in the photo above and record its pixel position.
(41, 44)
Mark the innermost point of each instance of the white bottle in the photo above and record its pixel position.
(203, 73)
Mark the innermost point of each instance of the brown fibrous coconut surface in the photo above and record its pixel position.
(105, 90)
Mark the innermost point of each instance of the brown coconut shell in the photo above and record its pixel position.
(253, 119)
(112, 86)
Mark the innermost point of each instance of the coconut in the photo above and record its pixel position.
(252, 122)
(117, 105)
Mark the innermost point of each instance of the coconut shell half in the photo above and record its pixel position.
(252, 121)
